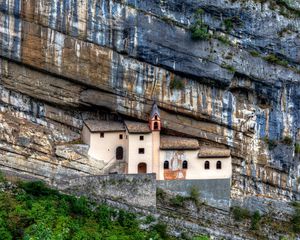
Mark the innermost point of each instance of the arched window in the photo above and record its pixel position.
(119, 153)
(142, 168)
(155, 125)
(184, 164)
(206, 165)
(219, 165)
(166, 164)
(155, 117)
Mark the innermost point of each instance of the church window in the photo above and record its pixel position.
(119, 153)
(206, 165)
(141, 150)
(184, 164)
(166, 164)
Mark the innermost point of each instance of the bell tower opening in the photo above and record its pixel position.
(154, 120)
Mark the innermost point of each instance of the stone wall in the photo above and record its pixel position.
(216, 192)
(137, 190)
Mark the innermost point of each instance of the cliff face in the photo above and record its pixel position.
(65, 61)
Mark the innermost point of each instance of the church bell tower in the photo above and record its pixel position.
(155, 126)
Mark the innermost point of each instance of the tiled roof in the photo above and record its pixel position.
(178, 143)
(154, 111)
(104, 126)
(210, 152)
(137, 127)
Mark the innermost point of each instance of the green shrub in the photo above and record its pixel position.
(297, 148)
(160, 194)
(150, 219)
(104, 215)
(79, 206)
(240, 214)
(272, 58)
(2, 178)
(295, 221)
(287, 140)
(223, 39)
(199, 31)
(126, 219)
(176, 83)
(228, 24)
(161, 229)
(76, 141)
(31, 214)
(201, 238)
(254, 53)
(195, 194)
(271, 143)
(5, 234)
(255, 219)
(228, 67)
(177, 201)
(37, 188)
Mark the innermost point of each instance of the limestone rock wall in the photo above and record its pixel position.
(64, 61)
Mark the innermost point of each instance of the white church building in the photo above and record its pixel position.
(143, 149)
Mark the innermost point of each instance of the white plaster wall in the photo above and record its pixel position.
(156, 153)
(196, 166)
(134, 158)
(85, 135)
(105, 148)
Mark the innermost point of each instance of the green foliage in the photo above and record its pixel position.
(76, 141)
(177, 201)
(79, 206)
(160, 194)
(161, 229)
(255, 219)
(37, 188)
(271, 143)
(295, 221)
(297, 148)
(240, 214)
(228, 24)
(176, 83)
(272, 58)
(34, 211)
(287, 140)
(254, 53)
(201, 238)
(150, 219)
(223, 39)
(2, 178)
(199, 30)
(199, 12)
(195, 194)
(228, 67)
